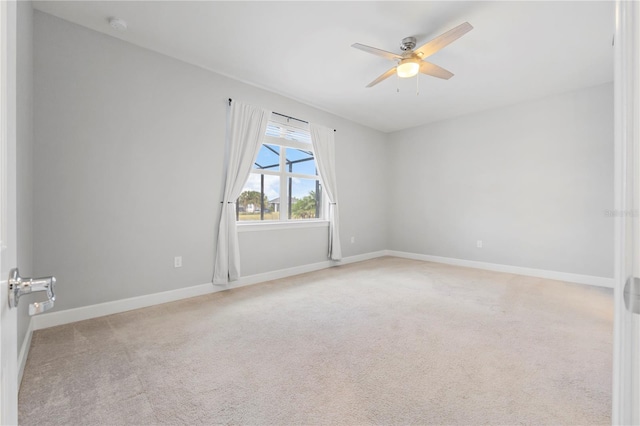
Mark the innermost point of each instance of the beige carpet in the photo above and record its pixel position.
(387, 341)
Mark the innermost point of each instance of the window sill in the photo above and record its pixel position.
(273, 226)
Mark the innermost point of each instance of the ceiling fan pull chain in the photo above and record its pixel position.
(397, 83)
(417, 84)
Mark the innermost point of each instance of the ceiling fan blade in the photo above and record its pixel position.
(384, 76)
(434, 70)
(443, 40)
(378, 52)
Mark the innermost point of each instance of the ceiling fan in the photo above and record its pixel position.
(411, 61)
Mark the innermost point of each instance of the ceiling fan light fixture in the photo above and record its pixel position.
(408, 68)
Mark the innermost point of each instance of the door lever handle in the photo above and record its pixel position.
(19, 286)
(632, 295)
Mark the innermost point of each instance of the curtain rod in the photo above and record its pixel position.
(286, 116)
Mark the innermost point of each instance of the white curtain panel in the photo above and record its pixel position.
(323, 140)
(245, 133)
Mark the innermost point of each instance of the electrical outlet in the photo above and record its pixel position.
(353, 240)
(479, 244)
(177, 262)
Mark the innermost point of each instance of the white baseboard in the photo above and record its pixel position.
(24, 351)
(297, 270)
(519, 270)
(55, 318)
(67, 316)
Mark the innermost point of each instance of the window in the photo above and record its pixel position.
(284, 185)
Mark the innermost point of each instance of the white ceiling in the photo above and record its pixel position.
(517, 50)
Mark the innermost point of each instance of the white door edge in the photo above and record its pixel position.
(8, 259)
(626, 365)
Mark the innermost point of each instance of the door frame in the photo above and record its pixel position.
(626, 366)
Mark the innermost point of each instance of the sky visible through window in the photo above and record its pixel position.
(269, 159)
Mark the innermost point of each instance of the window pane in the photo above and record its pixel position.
(260, 198)
(268, 158)
(305, 198)
(299, 161)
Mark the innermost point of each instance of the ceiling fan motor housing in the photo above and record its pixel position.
(408, 43)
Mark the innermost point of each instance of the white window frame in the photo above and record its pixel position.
(284, 221)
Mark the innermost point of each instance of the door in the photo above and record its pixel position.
(626, 356)
(8, 257)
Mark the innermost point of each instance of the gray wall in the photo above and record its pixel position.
(128, 171)
(532, 181)
(24, 153)
(128, 174)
